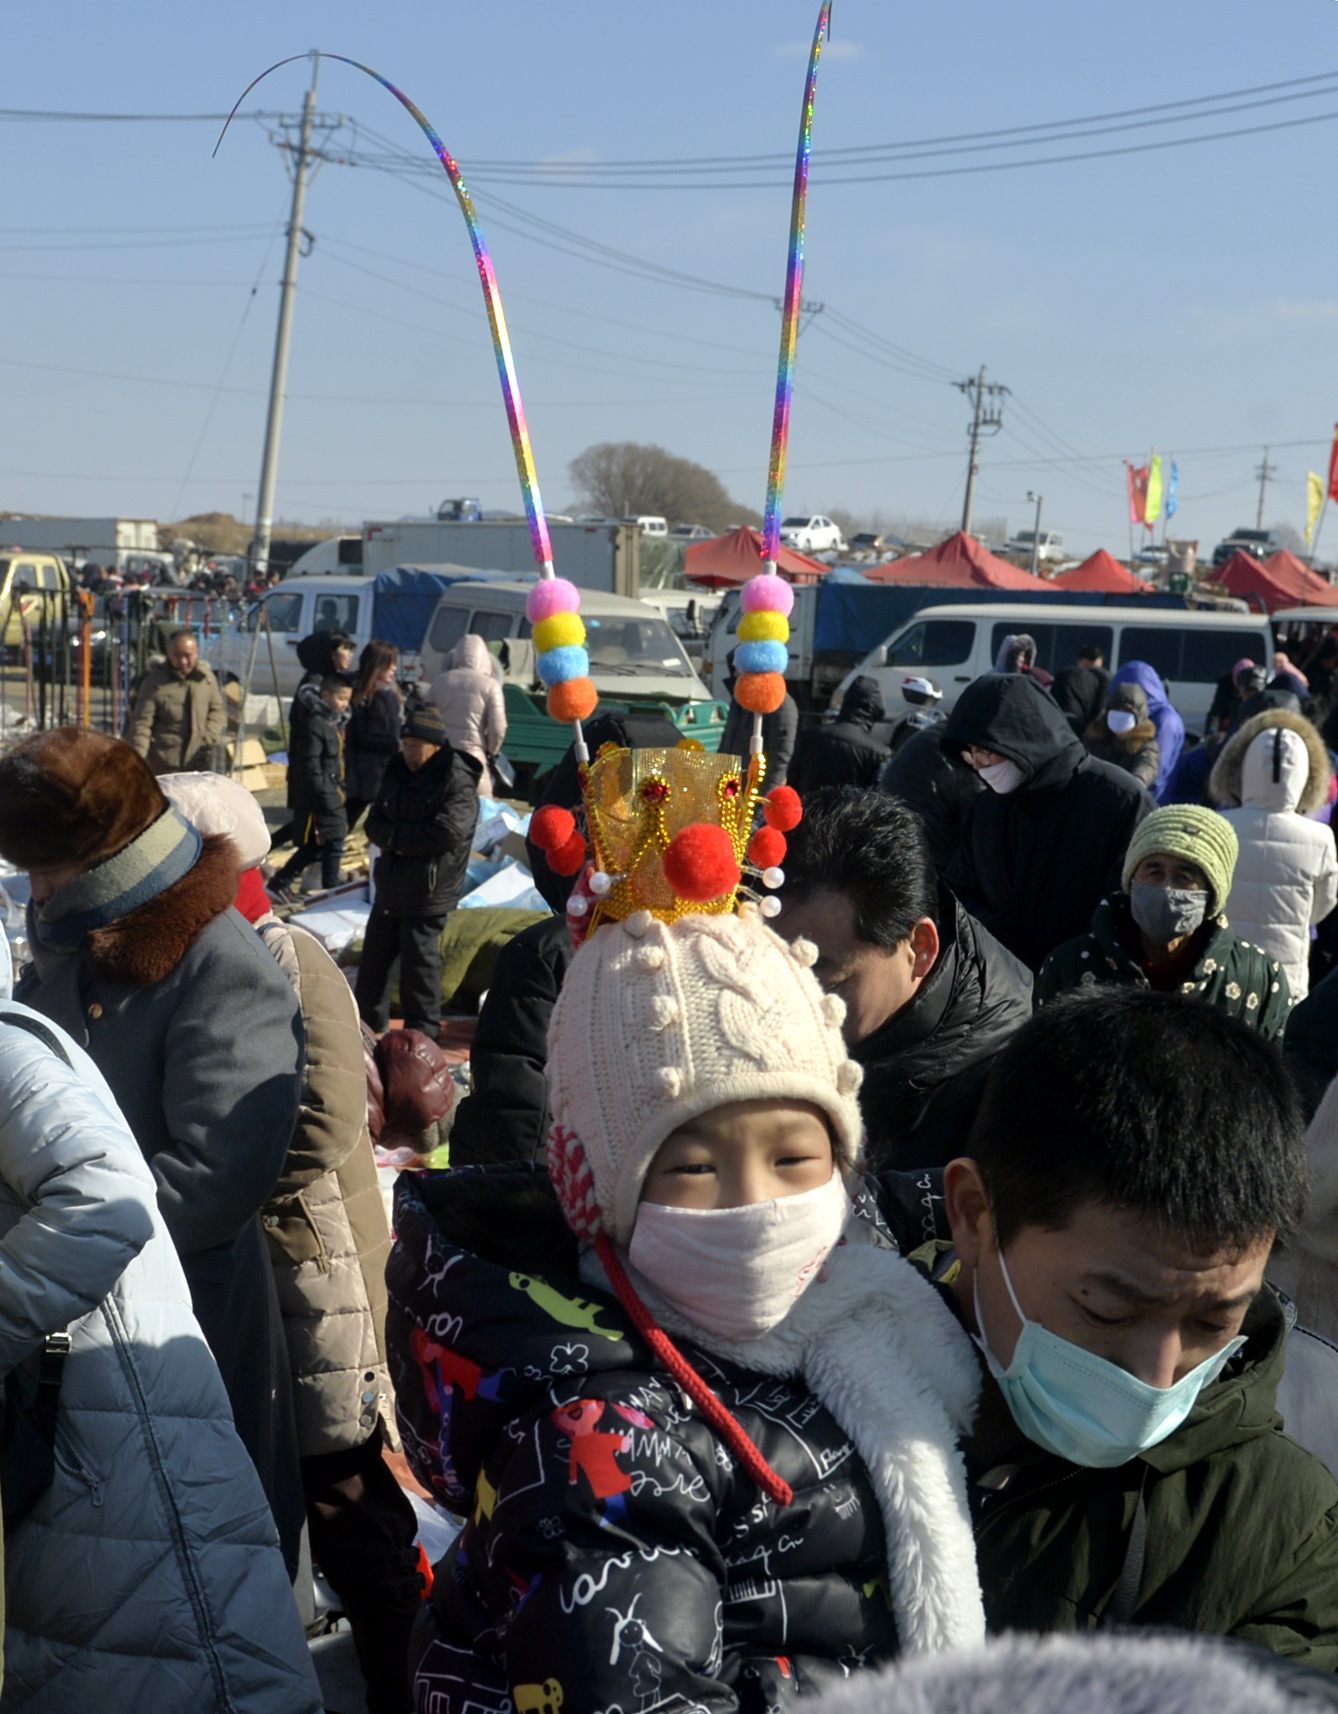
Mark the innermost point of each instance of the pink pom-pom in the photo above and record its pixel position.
(767, 593)
(552, 595)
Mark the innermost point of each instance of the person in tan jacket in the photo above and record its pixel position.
(178, 716)
(468, 696)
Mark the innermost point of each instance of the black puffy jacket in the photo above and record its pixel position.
(424, 824)
(925, 1069)
(846, 753)
(373, 737)
(938, 786)
(1034, 863)
(615, 1553)
(316, 773)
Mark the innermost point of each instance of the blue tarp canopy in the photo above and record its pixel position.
(404, 600)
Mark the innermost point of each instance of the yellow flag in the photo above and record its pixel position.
(1314, 501)
(1153, 509)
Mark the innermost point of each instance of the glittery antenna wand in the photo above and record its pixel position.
(794, 280)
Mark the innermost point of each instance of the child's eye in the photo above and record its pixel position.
(695, 1167)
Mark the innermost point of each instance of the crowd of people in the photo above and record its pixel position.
(817, 1292)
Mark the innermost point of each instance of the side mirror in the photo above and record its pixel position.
(879, 656)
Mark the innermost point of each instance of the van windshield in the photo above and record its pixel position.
(634, 648)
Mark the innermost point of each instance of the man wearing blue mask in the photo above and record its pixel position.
(1135, 1159)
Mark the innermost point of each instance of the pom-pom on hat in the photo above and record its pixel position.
(659, 1022)
(1189, 831)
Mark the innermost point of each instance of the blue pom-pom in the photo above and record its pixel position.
(761, 658)
(556, 666)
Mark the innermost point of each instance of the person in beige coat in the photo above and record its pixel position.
(328, 1240)
(178, 716)
(468, 696)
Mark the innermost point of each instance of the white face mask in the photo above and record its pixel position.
(1121, 719)
(738, 1271)
(1002, 776)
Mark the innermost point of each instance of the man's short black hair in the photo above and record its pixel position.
(1091, 652)
(1148, 1102)
(871, 847)
(332, 683)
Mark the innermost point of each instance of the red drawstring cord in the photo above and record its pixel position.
(687, 1377)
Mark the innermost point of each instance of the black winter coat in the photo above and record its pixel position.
(938, 786)
(615, 1553)
(846, 753)
(1034, 863)
(1080, 693)
(316, 654)
(424, 824)
(505, 1115)
(316, 774)
(925, 1069)
(372, 738)
(779, 733)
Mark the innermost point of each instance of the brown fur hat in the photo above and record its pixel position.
(73, 796)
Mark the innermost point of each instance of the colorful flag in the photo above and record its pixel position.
(1173, 486)
(1138, 492)
(1152, 507)
(1314, 502)
(1333, 466)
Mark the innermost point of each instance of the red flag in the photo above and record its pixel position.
(1138, 490)
(1333, 466)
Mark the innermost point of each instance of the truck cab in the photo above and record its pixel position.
(33, 586)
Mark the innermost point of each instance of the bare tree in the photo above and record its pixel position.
(622, 479)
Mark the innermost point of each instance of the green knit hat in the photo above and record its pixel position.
(1198, 835)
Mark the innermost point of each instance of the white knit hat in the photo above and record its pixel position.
(213, 803)
(659, 1022)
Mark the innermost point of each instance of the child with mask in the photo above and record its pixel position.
(699, 1411)
(1165, 930)
(1135, 1159)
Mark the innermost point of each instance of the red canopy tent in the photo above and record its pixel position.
(1280, 581)
(1102, 572)
(732, 559)
(959, 563)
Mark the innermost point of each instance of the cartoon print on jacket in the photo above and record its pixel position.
(594, 1453)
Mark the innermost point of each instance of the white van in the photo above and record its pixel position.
(295, 608)
(952, 645)
(650, 525)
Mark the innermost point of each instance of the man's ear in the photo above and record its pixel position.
(967, 1204)
(925, 947)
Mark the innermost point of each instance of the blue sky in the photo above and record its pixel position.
(1186, 298)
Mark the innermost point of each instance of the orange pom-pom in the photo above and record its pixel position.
(760, 693)
(699, 863)
(783, 809)
(574, 700)
(552, 827)
(766, 848)
(567, 859)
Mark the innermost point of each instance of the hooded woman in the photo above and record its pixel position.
(469, 699)
(1266, 782)
(1125, 736)
(139, 956)
(1170, 727)
(702, 1418)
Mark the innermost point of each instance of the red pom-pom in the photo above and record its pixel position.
(783, 809)
(699, 863)
(766, 848)
(568, 857)
(552, 827)
(760, 693)
(574, 700)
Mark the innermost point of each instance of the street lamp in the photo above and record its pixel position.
(1036, 532)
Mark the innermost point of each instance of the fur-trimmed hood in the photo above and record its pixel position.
(1225, 781)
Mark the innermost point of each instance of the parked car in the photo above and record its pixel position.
(952, 645)
(690, 533)
(649, 525)
(1051, 545)
(812, 535)
(295, 608)
(1259, 544)
(32, 585)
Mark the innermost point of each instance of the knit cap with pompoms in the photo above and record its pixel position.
(660, 1022)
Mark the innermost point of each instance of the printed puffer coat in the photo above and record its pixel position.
(616, 1552)
(148, 1576)
(1266, 782)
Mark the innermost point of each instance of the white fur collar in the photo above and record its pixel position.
(889, 1360)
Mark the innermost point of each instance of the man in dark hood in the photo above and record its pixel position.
(845, 753)
(505, 1115)
(1045, 843)
(930, 996)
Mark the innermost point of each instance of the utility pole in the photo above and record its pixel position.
(279, 378)
(987, 419)
(1266, 472)
(1036, 532)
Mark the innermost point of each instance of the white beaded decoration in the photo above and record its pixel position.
(773, 878)
(770, 907)
(600, 883)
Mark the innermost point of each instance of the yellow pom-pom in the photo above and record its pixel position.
(561, 631)
(764, 627)
(759, 693)
(574, 700)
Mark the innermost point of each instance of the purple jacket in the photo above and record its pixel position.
(1170, 727)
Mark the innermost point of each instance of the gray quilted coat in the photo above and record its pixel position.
(148, 1576)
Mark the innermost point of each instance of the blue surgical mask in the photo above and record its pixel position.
(1082, 1408)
